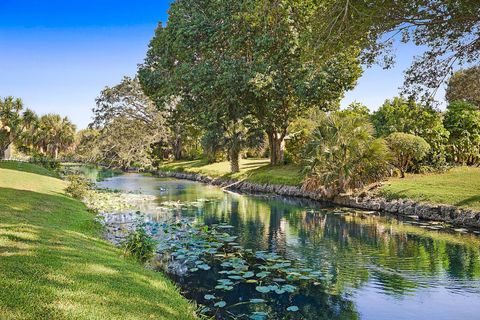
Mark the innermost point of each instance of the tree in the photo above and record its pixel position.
(10, 122)
(400, 115)
(464, 85)
(87, 149)
(406, 148)
(286, 80)
(357, 109)
(198, 61)
(56, 134)
(462, 119)
(241, 65)
(124, 143)
(450, 30)
(344, 155)
(122, 110)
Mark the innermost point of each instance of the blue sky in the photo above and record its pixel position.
(58, 55)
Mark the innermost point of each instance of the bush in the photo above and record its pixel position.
(45, 162)
(139, 245)
(407, 148)
(78, 186)
(462, 119)
(343, 155)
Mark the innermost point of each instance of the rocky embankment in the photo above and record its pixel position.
(425, 211)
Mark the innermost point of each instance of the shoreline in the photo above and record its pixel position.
(465, 218)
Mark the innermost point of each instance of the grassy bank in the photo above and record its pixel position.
(459, 187)
(253, 170)
(54, 265)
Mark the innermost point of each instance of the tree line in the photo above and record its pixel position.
(226, 79)
(48, 135)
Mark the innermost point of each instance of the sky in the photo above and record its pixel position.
(57, 55)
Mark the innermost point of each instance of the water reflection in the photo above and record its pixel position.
(373, 267)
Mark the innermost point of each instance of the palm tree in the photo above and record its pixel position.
(343, 155)
(56, 134)
(10, 122)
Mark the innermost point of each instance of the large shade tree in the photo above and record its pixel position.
(240, 65)
(127, 124)
(448, 30)
(286, 80)
(199, 60)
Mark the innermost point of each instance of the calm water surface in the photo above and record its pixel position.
(373, 267)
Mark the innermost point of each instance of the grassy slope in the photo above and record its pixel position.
(53, 265)
(254, 170)
(459, 187)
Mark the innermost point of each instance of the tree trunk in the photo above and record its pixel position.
(234, 160)
(2, 153)
(56, 153)
(177, 148)
(276, 143)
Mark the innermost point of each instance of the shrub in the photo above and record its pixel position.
(139, 245)
(462, 119)
(400, 115)
(407, 148)
(343, 155)
(46, 162)
(78, 186)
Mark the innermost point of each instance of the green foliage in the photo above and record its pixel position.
(357, 109)
(400, 115)
(464, 85)
(54, 135)
(78, 186)
(344, 155)
(45, 161)
(10, 122)
(300, 131)
(240, 65)
(127, 128)
(139, 245)
(407, 148)
(447, 29)
(462, 119)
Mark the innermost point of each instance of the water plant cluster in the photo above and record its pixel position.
(105, 200)
(188, 247)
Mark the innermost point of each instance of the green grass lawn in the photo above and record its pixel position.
(54, 265)
(459, 186)
(254, 170)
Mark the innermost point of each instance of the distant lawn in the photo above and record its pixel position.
(254, 170)
(54, 265)
(459, 187)
(26, 167)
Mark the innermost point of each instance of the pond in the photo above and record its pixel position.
(369, 266)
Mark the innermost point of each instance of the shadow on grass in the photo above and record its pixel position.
(54, 266)
(468, 201)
